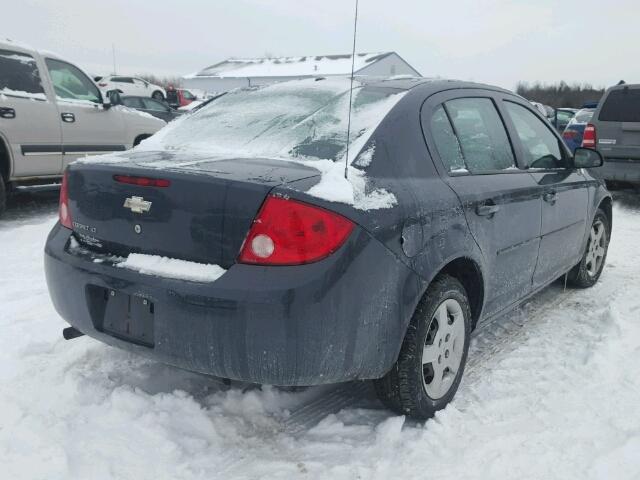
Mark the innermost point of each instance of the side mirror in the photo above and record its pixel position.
(106, 102)
(587, 158)
(114, 97)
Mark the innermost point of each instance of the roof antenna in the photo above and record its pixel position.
(353, 63)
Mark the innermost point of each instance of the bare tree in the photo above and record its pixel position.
(560, 94)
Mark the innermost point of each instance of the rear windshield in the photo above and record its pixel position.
(621, 106)
(301, 119)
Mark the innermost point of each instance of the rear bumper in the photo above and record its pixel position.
(340, 319)
(623, 170)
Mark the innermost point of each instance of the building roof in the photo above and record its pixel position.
(289, 66)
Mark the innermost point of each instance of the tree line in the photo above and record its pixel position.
(560, 94)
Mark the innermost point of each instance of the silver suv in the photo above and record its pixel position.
(615, 132)
(51, 113)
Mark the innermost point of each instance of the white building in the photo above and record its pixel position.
(242, 72)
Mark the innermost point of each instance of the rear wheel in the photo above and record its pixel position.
(588, 271)
(157, 95)
(429, 368)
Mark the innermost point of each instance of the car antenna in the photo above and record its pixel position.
(353, 63)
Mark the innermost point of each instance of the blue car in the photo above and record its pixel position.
(574, 131)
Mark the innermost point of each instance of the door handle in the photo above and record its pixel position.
(487, 209)
(550, 197)
(7, 112)
(68, 117)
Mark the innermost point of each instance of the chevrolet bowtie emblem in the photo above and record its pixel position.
(137, 204)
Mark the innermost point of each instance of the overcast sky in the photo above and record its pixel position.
(493, 41)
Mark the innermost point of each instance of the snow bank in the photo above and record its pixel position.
(172, 268)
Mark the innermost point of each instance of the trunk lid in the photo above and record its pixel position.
(203, 215)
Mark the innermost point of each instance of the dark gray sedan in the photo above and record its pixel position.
(230, 243)
(157, 108)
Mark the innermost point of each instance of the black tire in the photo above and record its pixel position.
(3, 195)
(582, 275)
(404, 388)
(157, 95)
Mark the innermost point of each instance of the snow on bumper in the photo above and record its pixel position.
(340, 319)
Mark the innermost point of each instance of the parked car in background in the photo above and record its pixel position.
(614, 131)
(545, 110)
(191, 106)
(562, 117)
(272, 275)
(574, 130)
(151, 106)
(52, 113)
(132, 86)
(179, 97)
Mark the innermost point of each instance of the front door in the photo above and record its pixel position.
(499, 201)
(562, 192)
(28, 117)
(87, 127)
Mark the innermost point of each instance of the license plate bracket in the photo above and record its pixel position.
(129, 317)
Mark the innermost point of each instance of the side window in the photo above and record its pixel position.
(132, 102)
(70, 83)
(446, 141)
(151, 104)
(483, 138)
(122, 79)
(540, 146)
(19, 75)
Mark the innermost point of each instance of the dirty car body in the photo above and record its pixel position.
(340, 317)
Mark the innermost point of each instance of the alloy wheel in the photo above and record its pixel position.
(596, 249)
(443, 349)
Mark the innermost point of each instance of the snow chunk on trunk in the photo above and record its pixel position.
(172, 268)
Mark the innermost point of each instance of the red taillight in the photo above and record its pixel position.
(102, 84)
(142, 181)
(63, 210)
(569, 134)
(589, 137)
(289, 232)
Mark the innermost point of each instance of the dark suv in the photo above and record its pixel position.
(231, 243)
(614, 131)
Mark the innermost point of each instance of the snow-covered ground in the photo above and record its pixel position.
(552, 391)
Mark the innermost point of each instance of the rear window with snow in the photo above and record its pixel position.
(302, 119)
(19, 75)
(621, 106)
(583, 116)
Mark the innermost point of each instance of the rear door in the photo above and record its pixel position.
(502, 211)
(618, 125)
(28, 117)
(87, 127)
(124, 85)
(141, 88)
(561, 189)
